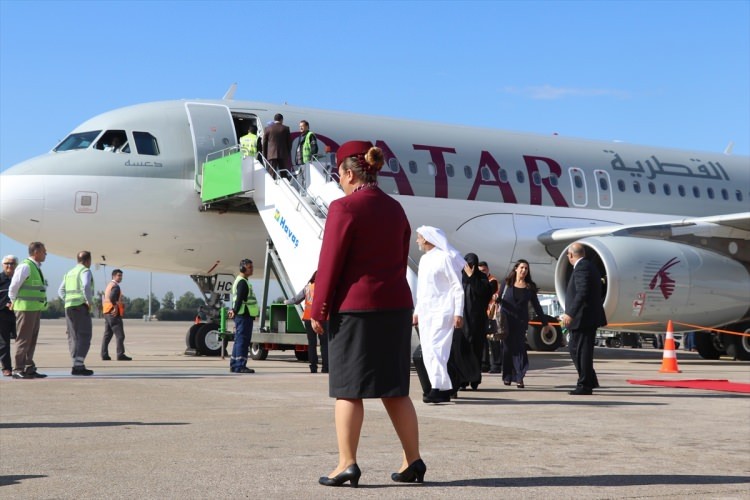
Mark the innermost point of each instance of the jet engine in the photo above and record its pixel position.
(649, 282)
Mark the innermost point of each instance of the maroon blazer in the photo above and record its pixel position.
(277, 144)
(362, 265)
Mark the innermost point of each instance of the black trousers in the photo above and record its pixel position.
(312, 347)
(582, 353)
(7, 329)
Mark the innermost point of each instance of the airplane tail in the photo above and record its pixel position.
(229, 95)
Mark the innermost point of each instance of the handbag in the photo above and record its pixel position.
(500, 322)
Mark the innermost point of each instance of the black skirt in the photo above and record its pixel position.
(369, 354)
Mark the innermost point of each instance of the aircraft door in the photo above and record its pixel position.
(578, 186)
(603, 189)
(212, 129)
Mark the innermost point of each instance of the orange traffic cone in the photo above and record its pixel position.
(669, 360)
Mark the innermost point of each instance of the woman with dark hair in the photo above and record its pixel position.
(361, 289)
(515, 295)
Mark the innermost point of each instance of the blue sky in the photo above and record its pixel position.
(673, 74)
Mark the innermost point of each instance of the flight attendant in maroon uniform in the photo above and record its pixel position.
(361, 288)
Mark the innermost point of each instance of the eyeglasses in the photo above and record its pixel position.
(9, 263)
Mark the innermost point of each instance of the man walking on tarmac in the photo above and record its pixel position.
(113, 310)
(244, 310)
(77, 290)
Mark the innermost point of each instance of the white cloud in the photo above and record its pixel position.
(549, 92)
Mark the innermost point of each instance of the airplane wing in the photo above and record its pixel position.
(707, 232)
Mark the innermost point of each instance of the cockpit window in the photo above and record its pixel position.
(113, 141)
(146, 144)
(80, 140)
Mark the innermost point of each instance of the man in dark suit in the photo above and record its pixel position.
(277, 146)
(584, 313)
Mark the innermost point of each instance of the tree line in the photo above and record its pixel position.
(183, 309)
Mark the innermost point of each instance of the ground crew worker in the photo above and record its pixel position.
(307, 147)
(28, 298)
(114, 310)
(77, 290)
(306, 294)
(244, 310)
(249, 142)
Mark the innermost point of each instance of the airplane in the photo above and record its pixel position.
(669, 229)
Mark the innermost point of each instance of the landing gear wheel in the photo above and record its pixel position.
(207, 340)
(738, 346)
(709, 346)
(258, 352)
(190, 336)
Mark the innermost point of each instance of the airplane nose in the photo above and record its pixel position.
(21, 206)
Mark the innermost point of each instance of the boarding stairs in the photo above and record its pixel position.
(293, 212)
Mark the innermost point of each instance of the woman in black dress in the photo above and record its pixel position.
(515, 295)
(361, 286)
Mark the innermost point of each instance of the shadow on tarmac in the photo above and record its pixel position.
(601, 480)
(11, 480)
(60, 425)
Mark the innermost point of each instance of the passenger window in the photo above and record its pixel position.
(468, 172)
(413, 167)
(710, 193)
(636, 186)
(450, 170)
(725, 194)
(520, 177)
(681, 190)
(667, 189)
(503, 175)
(393, 165)
(739, 195)
(696, 192)
(554, 180)
(536, 178)
(81, 140)
(431, 169)
(651, 188)
(603, 183)
(146, 144)
(485, 171)
(621, 185)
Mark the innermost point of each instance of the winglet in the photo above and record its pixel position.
(230, 93)
(728, 149)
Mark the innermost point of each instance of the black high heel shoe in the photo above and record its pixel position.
(415, 472)
(350, 474)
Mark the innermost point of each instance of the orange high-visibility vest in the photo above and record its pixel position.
(308, 301)
(107, 305)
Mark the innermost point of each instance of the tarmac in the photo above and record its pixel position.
(167, 425)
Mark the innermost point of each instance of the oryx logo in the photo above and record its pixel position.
(663, 280)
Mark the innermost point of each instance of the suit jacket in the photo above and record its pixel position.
(277, 144)
(362, 264)
(583, 297)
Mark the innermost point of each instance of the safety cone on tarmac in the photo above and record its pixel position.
(669, 359)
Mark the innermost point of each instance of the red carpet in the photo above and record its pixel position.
(709, 385)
